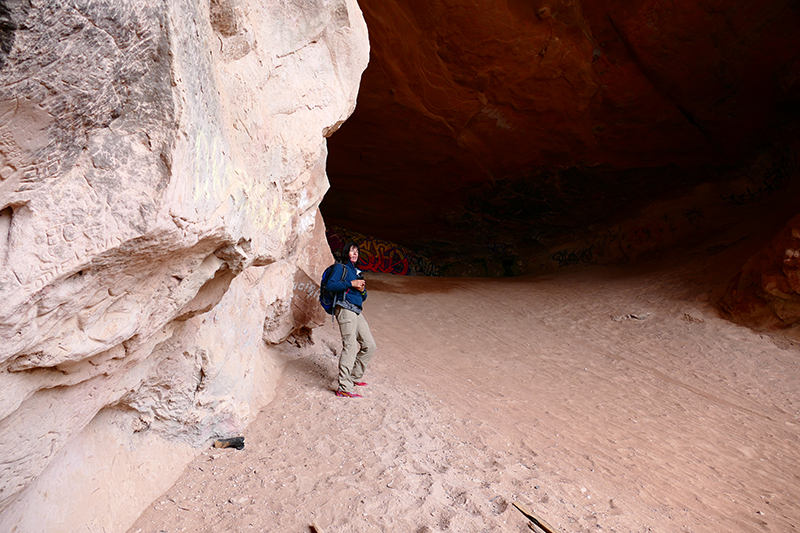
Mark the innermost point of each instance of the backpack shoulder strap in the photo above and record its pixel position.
(332, 267)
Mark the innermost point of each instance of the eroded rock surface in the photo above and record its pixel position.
(161, 165)
(766, 293)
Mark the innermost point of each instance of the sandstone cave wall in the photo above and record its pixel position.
(766, 293)
(516, 136)
(161, 167)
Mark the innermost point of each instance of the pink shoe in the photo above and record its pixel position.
(360, 383)
(347, 394)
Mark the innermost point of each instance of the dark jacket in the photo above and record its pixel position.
(351, 295)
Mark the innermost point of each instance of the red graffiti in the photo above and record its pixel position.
(377, 255)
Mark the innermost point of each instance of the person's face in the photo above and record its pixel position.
(353, 254)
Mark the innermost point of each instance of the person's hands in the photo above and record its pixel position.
(358, 284)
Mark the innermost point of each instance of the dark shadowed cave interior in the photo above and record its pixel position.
(515, 137)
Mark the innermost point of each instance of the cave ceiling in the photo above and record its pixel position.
(532, 123)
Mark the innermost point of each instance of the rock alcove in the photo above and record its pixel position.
(504, 138)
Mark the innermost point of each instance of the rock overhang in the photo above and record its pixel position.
(538, 125)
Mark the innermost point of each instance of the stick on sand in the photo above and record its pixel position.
(533, 517)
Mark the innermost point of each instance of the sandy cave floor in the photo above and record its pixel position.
(606, 399)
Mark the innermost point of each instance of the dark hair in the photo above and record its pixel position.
(346, 250)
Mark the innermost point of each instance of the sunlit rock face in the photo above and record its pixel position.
(161, 166)
(530, 132)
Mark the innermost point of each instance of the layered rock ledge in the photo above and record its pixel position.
(161, 167)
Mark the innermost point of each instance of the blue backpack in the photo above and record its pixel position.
(328, 299)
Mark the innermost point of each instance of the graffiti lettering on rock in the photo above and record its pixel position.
(775, 176)
(565, 258)
(377, 255)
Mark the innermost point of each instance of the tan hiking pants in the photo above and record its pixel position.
(357, 347)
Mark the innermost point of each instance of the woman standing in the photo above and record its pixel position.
(357, 342)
